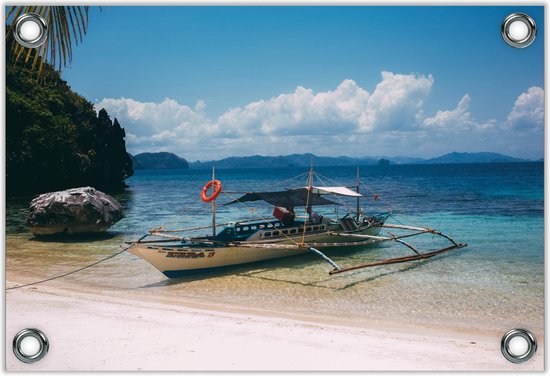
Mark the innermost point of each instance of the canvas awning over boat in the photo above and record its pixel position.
(290, 197)
(340, 191)
(298, 197)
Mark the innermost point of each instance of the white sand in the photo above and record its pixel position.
(92, 331)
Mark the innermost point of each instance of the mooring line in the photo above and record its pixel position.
(74, 271)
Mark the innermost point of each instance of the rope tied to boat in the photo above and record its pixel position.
(77, 270)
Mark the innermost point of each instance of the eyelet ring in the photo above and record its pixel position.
(31, 30)
(37, 339)
(527, 336)
(519, 30)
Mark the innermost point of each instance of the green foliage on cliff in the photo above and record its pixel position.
(54, 138)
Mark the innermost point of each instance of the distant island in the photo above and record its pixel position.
(158, 161)
(293, 160)
(474, 158)
(304, 160)
(169, 160)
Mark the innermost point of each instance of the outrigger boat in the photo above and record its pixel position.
(175, 254)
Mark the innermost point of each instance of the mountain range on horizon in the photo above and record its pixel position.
(165, 160)
(158, 161)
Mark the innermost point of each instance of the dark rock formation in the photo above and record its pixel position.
(73, 211)
(55, 139)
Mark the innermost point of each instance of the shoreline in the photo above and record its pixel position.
(200, 335)
(459, 327)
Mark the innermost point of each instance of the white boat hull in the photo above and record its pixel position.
(176, 261)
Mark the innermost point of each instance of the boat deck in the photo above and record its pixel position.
(258, 230)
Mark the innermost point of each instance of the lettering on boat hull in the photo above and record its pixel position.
(192, 254)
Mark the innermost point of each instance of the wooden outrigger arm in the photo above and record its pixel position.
(418, 256)
(398, 260)
(369, 239)
(326, 258)
(375, 239)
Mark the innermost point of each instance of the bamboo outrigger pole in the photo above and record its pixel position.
(398, 260)
(326, 258)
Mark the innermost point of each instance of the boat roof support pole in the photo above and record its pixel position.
(309, 185)
(213, 206)
(358, 185)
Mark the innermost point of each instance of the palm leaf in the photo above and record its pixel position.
(75, 26)
(66, 25)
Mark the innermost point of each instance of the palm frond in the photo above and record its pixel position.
(66, 25)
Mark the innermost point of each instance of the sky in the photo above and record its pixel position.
(212, 82)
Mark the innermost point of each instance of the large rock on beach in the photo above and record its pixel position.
(73, 211)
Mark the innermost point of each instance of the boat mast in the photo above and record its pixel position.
(309, 185)
(213, 207)
(358, 185)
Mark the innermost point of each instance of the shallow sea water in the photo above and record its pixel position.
(494, 284)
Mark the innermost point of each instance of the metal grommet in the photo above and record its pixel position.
(30, 345)
(31, 30)
(519, 30)
(518, 345)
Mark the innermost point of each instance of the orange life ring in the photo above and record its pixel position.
(217, 190)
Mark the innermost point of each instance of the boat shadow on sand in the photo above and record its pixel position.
(349, 279)
(260, 271)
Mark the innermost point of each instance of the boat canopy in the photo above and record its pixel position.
(290, 197)
(340, 191)
(298, 197)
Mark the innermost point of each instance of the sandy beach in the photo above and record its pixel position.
(94, 330)
(271, 187)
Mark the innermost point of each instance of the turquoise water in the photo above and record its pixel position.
(495, 283)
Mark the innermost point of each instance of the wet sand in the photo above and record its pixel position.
(91, 329)
(285, 314)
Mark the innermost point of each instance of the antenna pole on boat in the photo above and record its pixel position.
(358, 186)
(309, 186)
(213, 206)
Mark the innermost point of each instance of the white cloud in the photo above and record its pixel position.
(301, 112)
(396, 101)
(148, 119)
(458, 119)
(345, 121)
(528, 110)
